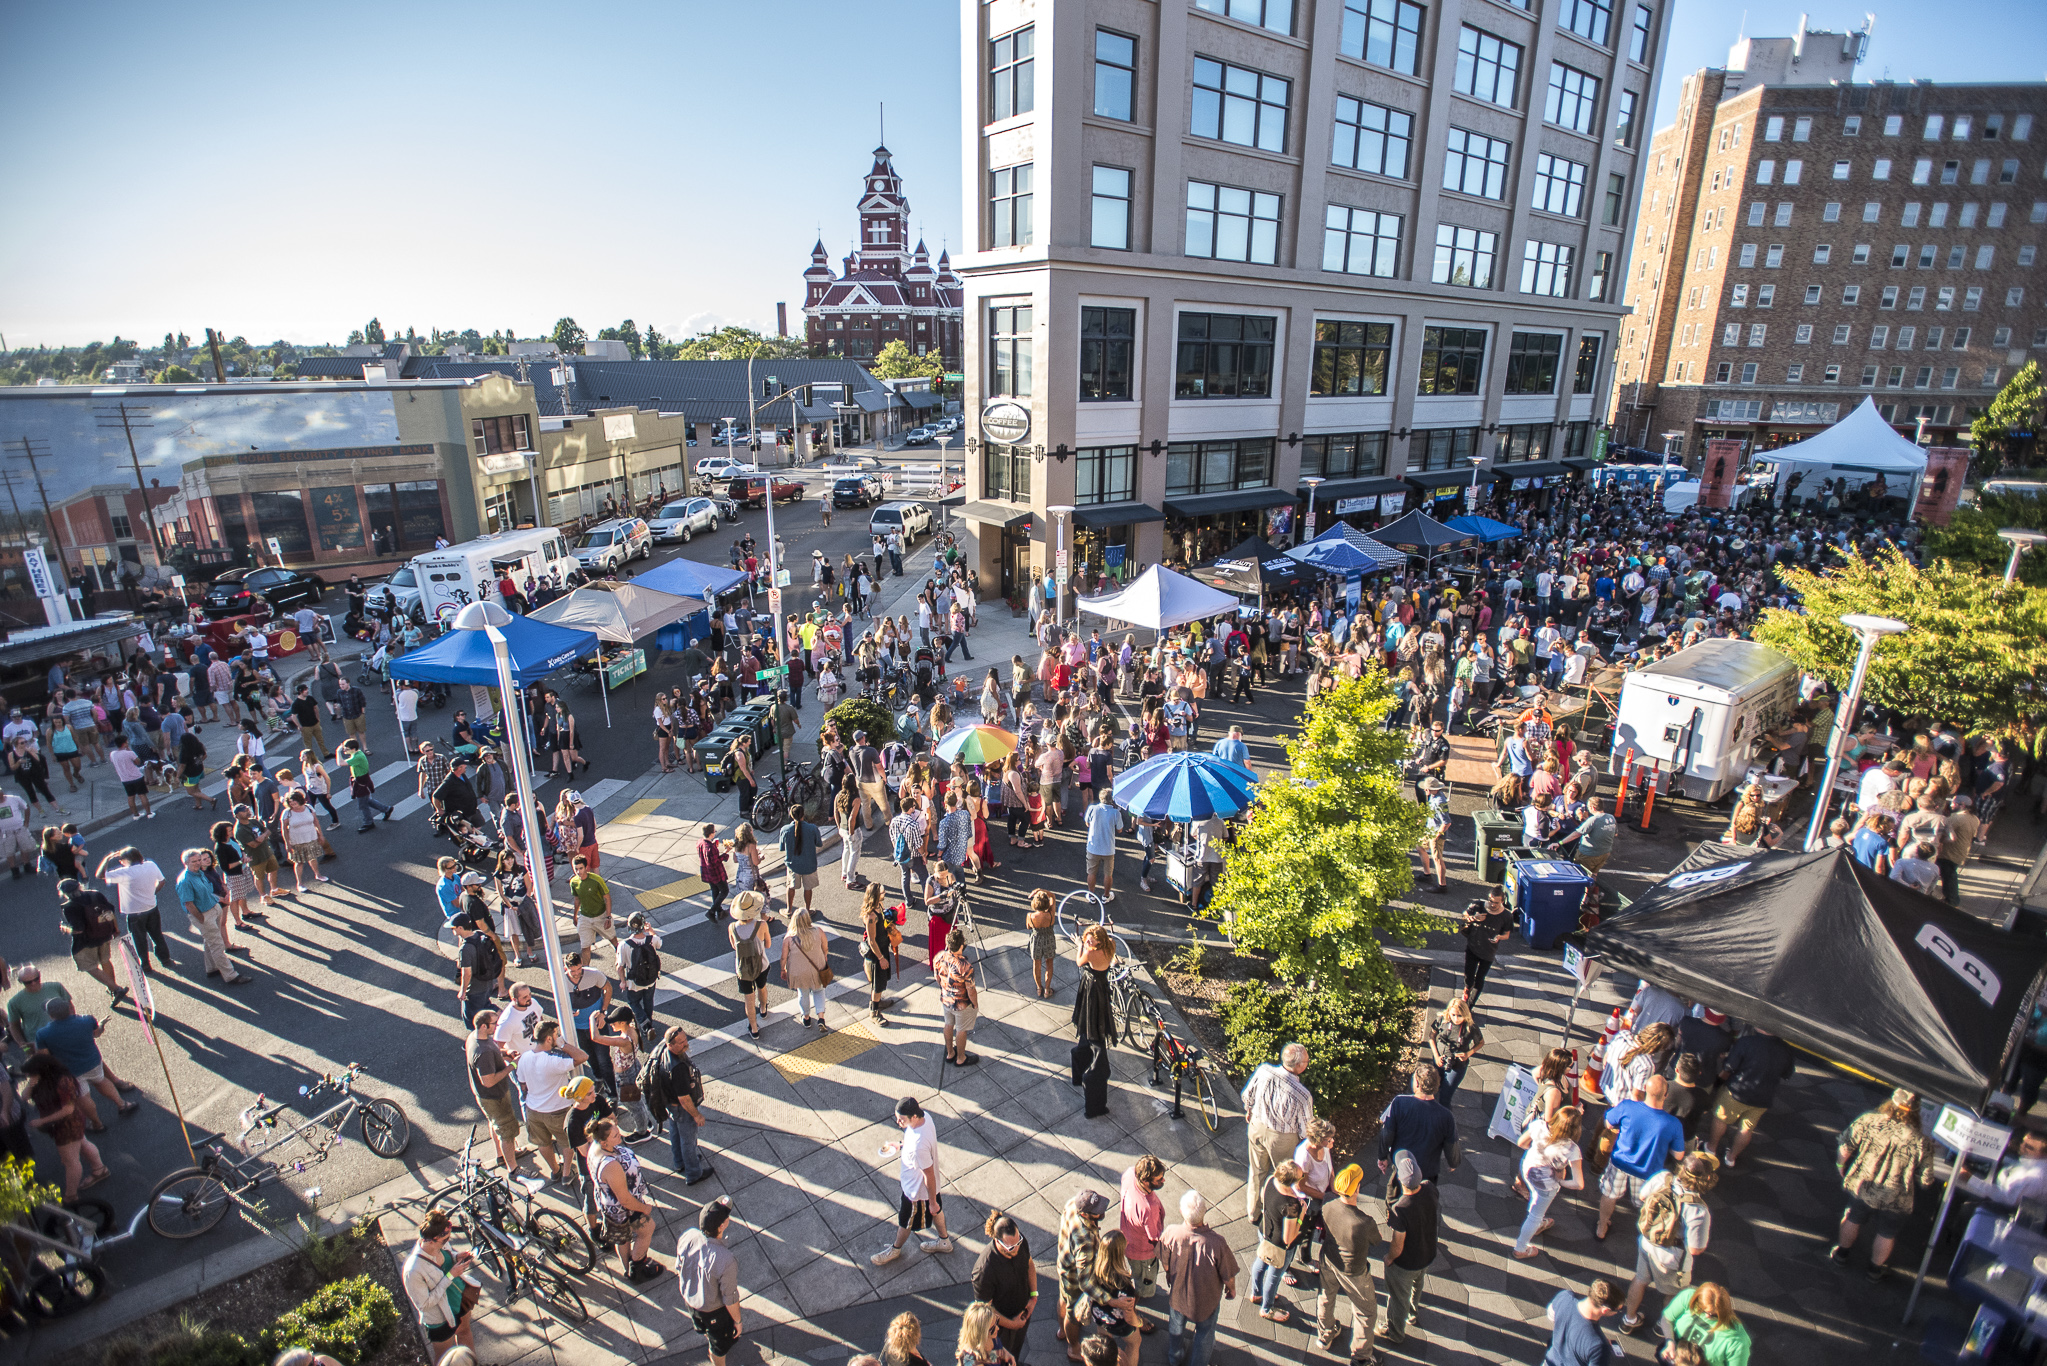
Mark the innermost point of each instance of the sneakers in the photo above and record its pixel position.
(644, 1270)
(935, 1244)
(1838, 1255)
(885, 1256)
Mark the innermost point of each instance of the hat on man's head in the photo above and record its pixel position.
(472, 879)
(1349, 1179)
(1091, 1203)
(1407, 1170)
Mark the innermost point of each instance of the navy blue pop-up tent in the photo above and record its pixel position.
(688, 579)
(537, 650)
(1343, 549)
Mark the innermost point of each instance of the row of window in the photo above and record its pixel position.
(1935, 126)
(1944, 297)
(1929, 255)
(1937, 338)
(1388, 32)
(1922, 377)
(1950, 172)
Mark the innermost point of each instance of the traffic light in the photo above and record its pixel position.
(770, 387)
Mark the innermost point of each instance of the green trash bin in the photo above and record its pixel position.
(1493, 834)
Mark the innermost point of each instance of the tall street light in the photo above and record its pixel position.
(2021, 541)
(1871, 629)
(1313, 482)
(1059, 515)
(489, 617)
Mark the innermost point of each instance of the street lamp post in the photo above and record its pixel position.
(1313, 482)
(1059, 513)
(488, 617)
(1477, 463)
(2021, 541)
(1871, 629)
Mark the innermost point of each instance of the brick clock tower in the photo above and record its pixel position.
(887, 290)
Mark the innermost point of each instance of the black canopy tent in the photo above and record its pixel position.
(1860, 970)
(1255, 567)
(1420, 534)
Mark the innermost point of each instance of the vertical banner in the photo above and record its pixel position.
(1719, 473)
(1940, 490)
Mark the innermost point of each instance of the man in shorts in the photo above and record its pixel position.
(490, 1082)
(708, 1276)
(15, 841)
(959, 995)
(72, 1039)
(1103, 820)
(543, 1071)
(921, 1208)
(593, 907)
(1663, 1264)
(1756, 1064)
(1645, 1139)
(93, 924)
(128, 769)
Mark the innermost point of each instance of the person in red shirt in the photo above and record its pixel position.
(515, 601)
(711, 867)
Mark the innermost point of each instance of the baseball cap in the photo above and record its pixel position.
(1407, 1170)
(472, 879)
(1091, 1203)
(1712, 1016)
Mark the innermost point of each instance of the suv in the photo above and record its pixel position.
(753, 492)
(237, 592)
(912, 519)
(683, 519)
(857, 491)
(608, 546)
(397, 596)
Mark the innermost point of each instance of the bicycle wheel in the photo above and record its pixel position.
(770, 810)
(385, 1128)
(187, 1203)
(1140, 1021)
(63, 1285)
(550, 1286)
(810, 792)
(1204, 1098)
(486, 1249)
(563, 1240)
(97, 1215)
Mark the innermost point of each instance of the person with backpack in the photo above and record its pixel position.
(673, 1090)
(639, 969)
(1674, 1228)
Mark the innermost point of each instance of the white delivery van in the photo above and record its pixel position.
(1701, 714)
(451, 579)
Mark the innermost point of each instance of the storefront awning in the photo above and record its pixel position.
(1580, 462)
(1532, 469)
(1432, 480)
(1104, 515)
(1332, 489)
(1235, 500)
(996, 514)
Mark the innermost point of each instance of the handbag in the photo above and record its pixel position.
(825, 975)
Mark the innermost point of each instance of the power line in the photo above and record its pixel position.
(31, 450)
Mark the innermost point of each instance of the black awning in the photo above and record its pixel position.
(83, 636)
(1101, 516)
(1441, 479)
(1235, 500)
(1532, 469)
(996, 514)
(1580, 462)
(1332, 489)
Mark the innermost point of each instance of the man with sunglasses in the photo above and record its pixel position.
(1431, 759)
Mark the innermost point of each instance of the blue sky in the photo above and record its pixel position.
(285, 170)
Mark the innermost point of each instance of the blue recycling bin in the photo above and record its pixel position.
(1546, 896)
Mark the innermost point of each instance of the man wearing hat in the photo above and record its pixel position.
(1411, 1223)
(639, 959)
(481, 963)
(456, 795)
(1431, 759)
(921, 1207)
(1348, 1234)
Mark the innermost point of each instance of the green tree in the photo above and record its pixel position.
(355, 337)
(175, 374)
(2010, 427)
(373, 333)
(1311, 881)
(1970, 537)
(567, 336)
(896, 361)
(1971, 655)
(737, 343)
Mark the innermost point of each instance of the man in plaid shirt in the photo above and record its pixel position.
(1277, 1108)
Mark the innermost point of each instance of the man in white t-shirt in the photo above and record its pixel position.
(135, 880)
(17, 724)
(407, 705)
(544, 1071)
(15, 840)
(921, 1208)
(516, 1022)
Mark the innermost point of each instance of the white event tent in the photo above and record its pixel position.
(1860, 443)
(1159, 599)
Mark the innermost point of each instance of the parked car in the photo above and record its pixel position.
(398, 595)
(912, 519)
(753, 493)
(608, 546)
(236, 592)
(713, 466)
(857, 491)
(918, 436)
(683, 519)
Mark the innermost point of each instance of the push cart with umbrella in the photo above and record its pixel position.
(1184, 788)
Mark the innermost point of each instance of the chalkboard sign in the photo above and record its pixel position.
(338, 515)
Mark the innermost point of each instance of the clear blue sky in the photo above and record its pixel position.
(285, 170)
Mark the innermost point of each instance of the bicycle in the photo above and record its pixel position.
(56, 1267)
(559, 1236)
(800, 787)
(193, 1200)
(1071, 926)
(1144, 1029)
(522, 1263)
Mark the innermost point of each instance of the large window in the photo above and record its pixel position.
(1105, 474)
(1224, 355)
(283, 514)
(1616, 199)
(1109, 224)
(1216, 466)
(1589, 19)
(1559, 185)
(490, 435)
(1371, 137)
(1226, 223)
(1237, 104)
(1357, 455)
(1546, 269)
(1602, 269)
(1464, 256)
(1445, 448)
(402, 516)
(1385, 33)
(1532, 362)
(1525, 441)
(1115, 75)
(1009, 350)
(1277, 15)
(1453, 360)
(1010, 75)
(1107, 343)
(1588, 365)
(1361, 242)
(1474, 164)
(1351, 359)
(1573, 99)
(1487, 67)
(1006, 473)
(1638, 41)
(1009, 206)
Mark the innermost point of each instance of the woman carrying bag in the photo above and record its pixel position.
(749, 934)
(807, 966)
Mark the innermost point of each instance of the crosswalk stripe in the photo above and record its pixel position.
(637, 812)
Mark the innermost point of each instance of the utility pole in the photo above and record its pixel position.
(8, 477)
(219, 370)
(123, 416)
(30, 450)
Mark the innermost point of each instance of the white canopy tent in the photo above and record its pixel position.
(617, 612)
(1159, 599)
(1860, 443)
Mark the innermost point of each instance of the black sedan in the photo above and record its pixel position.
(237, 592)
(857, 492)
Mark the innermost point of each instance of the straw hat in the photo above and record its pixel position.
(748, 905)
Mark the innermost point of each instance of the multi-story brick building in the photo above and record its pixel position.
(1223, 247)
(1805, 241)
(889, 290)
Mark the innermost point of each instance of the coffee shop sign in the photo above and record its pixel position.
(1005, 422)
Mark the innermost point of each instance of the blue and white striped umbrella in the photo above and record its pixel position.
(1184, 787)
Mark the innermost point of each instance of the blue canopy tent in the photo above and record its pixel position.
(689, 579)
(1343, 549)
(1485, 528)
(537, 650)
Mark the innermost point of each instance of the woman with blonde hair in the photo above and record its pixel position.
(977, 1345)
(1111, 1306)
(1703, 1315)
(746, 859)
(905, 1336)
(1454, 1042)
(806, 957)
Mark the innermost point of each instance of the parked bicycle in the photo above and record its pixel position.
(507, 1201)
(53, 1269)
(523, 1263)
(801, 787)
(1070, 922)
(1144, 1028)
(193, 1200)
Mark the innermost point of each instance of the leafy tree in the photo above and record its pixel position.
(1971, 654)
(567, 336)
(1312, 879)
(897, 361)
(492, 346)
(170, 346)
(355, 337)
(737, 343)
(1970, 537)
(2010, 427)
(175, 374)
(373, 333)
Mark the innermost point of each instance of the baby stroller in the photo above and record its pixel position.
(473, 846)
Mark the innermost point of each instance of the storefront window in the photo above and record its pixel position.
(1344, 457)
(1102, 552)
(339, 518)
(419, 514)
(1577, 437)
(1105, 474)
(282, 515)
(1445, 448)
(1005, 473)
(234, 532)
(1212, 466)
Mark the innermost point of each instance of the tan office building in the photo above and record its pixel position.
(1223, 246)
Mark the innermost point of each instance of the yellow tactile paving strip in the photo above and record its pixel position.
(637, 812)
(678, 890)
(821, 1055)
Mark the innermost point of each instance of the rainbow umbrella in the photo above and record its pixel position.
(975, 745)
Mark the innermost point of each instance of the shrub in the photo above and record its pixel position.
(349, 1320)
(192, 1343)
(861, 713)
(1353, 1043)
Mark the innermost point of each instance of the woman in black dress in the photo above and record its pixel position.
(1094, 1018)
(876, 948)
